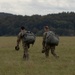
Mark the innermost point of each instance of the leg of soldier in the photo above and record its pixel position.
(26, 55)
(53, 51)
(47, 50)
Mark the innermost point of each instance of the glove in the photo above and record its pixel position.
(17, 48)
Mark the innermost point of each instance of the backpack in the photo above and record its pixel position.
(52, 39)
(29, 37)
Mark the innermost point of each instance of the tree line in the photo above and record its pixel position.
(62, 24)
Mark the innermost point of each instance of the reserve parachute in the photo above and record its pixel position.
(29, 37)
(51, 38)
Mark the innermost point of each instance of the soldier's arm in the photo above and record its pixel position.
(18, 39)
(44, 38)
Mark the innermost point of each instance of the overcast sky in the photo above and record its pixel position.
(41, 7)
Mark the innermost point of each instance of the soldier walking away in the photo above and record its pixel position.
(24, 44)
(47, 47)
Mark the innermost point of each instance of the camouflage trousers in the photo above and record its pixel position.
(26, 53)
(48, 48)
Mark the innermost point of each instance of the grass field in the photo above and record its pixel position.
(12, 63)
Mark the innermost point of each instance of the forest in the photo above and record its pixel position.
(62, 24)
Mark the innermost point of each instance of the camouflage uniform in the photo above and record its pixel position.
(46, 47)
(25, 45)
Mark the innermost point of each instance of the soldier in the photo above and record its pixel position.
(47, 47)
(25, 45)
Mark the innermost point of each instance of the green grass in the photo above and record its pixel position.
(12, 63)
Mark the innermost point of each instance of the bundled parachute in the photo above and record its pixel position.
(52, 39)
(29, 37)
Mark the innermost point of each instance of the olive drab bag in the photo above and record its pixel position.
(29, 37)
(51, 38)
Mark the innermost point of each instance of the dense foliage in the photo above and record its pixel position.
(61, 23)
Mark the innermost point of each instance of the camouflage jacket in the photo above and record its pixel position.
(20, 36)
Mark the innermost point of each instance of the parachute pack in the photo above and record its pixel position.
(29, 37)
(51, 38)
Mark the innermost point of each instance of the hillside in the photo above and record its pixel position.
(62, 23)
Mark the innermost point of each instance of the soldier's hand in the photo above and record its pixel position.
(17, 48)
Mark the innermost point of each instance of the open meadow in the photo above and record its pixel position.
(12, 63)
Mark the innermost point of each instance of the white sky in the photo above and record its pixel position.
(41, 7)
